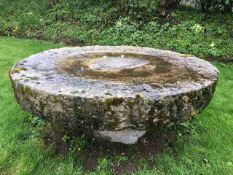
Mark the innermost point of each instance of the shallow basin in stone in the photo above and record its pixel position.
(117, 93)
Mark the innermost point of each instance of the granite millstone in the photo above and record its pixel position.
(114, 92)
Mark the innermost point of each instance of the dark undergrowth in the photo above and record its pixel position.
(78, 22)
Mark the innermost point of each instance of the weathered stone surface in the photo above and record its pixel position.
(110, 90)
(126, 136)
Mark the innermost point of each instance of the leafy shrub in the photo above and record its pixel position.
(219, 5)
(103, 22)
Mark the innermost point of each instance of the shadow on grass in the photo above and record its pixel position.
(120, 158)
(96, 154)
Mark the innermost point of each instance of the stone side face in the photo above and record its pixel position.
(72, 104)
(67, 112)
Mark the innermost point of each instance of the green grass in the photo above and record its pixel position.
(207, 150)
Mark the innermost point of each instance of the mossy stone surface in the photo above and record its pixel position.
(111, 90)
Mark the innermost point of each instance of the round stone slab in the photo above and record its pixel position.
(117, 93)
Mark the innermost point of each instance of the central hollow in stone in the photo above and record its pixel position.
(126, 67)
(116, 63)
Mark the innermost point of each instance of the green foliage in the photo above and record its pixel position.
(78, 144)
(217, 5)
(36, 121)
(140, 9)
(122, 159)
(104, 165)
(80, 22)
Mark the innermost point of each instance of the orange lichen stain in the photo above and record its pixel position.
(187, 55)
(18, 70)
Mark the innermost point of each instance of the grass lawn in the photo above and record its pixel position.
(207, 149)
